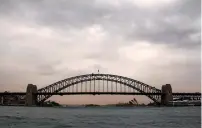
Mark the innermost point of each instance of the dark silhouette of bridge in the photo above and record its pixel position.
(98, 84)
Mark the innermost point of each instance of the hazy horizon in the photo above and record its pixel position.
(154, 41)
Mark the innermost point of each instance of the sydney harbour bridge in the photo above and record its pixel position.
(98, 84)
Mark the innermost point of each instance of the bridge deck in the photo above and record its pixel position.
(99, 93)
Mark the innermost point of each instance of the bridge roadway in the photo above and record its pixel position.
(97, 93)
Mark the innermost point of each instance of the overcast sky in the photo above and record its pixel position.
(153, 41)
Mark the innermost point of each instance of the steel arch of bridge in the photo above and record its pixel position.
(57, 87)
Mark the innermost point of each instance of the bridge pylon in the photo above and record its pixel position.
(166, 95)
(31, 98)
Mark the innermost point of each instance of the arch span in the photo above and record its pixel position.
(131, 83)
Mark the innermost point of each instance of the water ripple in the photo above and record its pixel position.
(33, 117)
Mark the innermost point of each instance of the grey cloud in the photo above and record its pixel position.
(190, 8)
(172, 25)
(118, 21)
(169, 35)
(47, 69)
(108, 52)
(60, 14)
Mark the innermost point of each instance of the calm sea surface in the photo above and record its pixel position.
(106, 117)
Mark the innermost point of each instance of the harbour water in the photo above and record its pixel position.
(100, 117)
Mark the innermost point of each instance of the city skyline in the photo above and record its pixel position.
(156, 42)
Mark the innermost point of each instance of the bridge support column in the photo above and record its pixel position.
(166, 95)
(1, 100)
(31, 99)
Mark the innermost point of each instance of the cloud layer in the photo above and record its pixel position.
(154, 41)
